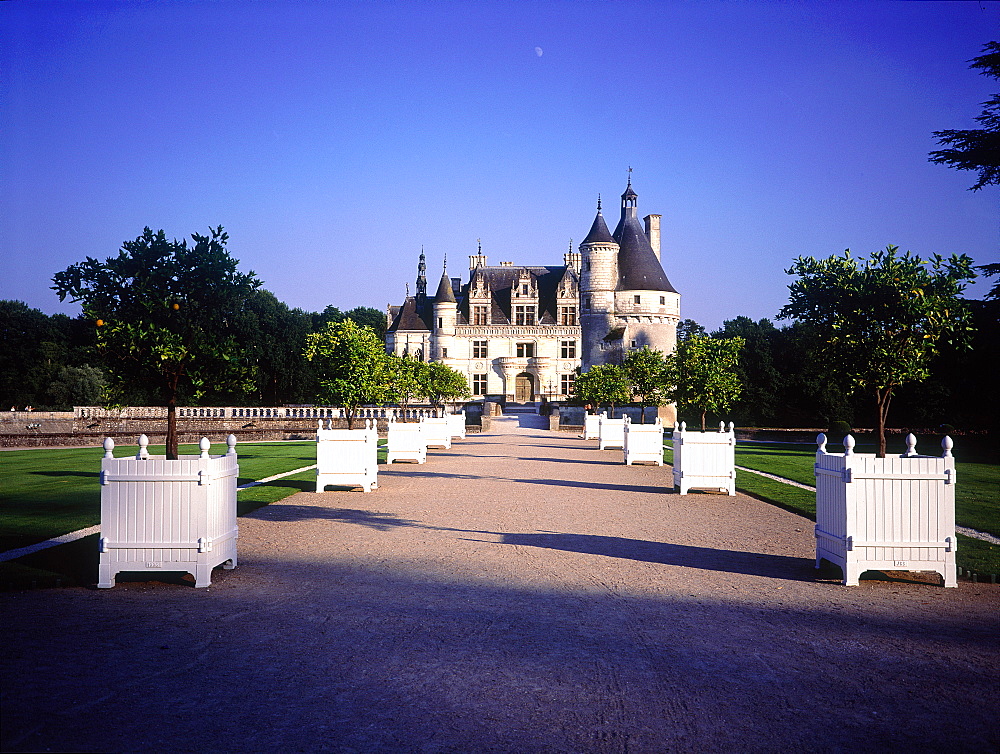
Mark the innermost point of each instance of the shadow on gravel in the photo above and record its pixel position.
(571, 460)
(685, 556)
(371, 519)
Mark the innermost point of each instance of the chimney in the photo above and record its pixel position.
(652, 223)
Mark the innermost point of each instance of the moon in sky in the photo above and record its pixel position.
(538, 51)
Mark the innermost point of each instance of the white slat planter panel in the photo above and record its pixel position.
(437, 432)
(456, 425)
(347, 457)
(167, 515)
(705, 460)
(405, 442)
(591, 428)
(643, 442)
(886, 514)
(610, 432)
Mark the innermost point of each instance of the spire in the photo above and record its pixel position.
(422, 274)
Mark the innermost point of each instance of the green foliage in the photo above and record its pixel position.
(705, 375)
(165, 314)
(353, 366)
(649, 377)
(279, 373)
(34, 347)
(978, 148)
(882, 321)
(363, 316)
(688, 327)
(440, 383)
(406, 375)
(77, 386)
(604, 384)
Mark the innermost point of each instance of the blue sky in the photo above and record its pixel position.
(333, 140)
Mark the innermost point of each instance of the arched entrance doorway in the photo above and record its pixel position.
(524, 388)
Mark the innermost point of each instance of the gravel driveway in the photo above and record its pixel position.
(522, 592)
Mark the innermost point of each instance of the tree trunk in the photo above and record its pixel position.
(882, 398)
(350, 416)
(703, 420)
(172, 428)
(642, 413)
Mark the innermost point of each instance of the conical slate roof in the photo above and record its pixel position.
(638, 267)
(445, 294)
(599, 232)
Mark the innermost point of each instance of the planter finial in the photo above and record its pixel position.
(204, 446)
(722, 426)
(821, 442)
(849, 445)
(911, 446)
(947, 443)
(143, 453)
(109, 445)
(231, 442)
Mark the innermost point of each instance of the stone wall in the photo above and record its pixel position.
(35, 429)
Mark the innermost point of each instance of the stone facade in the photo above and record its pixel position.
(522, 332)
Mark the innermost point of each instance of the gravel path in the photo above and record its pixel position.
(522, 592)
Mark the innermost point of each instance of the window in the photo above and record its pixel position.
(567, 315)
(524, 315)
(524, 289)
(525, 350)
(440, 322)
(567, 349)
(663, 300)
(637, 299)
(566, 383)
(479, 316)
(444, 353)
(635, 344)
(479, 384)
(586, 303)
(479, 349)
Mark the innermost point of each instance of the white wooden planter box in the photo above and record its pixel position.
(167, 515)
(456, 424)
(437, 432)
(886, 514)
(591, 430)
(643, 442)
(705, 460)
(405, 442)
(610, 432)
(347, 457)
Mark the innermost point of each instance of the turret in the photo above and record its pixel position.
(445, 316)
(598, 277)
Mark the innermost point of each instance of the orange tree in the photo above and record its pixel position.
(881, 319)
(166, 315)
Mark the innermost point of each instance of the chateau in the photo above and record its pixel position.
(523, 331)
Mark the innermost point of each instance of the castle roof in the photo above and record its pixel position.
(599, 232)
(638, 267)
(445, 294)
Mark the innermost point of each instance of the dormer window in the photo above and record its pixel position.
(524, 289)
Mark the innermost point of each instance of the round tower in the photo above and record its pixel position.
(598, 278)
